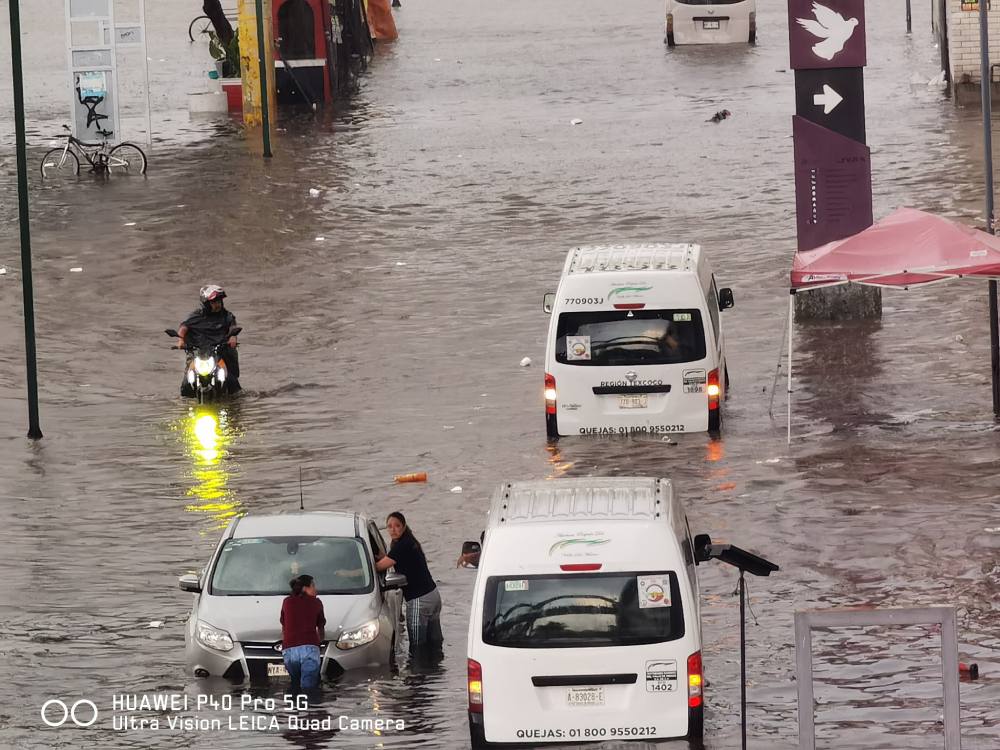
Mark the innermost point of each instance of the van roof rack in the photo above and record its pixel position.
(587, 498)
(645, 257)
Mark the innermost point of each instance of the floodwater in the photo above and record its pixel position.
(383, 326)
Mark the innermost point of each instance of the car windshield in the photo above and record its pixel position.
(264, 566)
(582, 610)
(630, 337)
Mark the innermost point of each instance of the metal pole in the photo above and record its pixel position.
(261, 58)
(145, 67)
(909, 18)
(743, 658)
(34, 429)
(985, 86)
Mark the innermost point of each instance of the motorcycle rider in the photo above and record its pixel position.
(207, 326)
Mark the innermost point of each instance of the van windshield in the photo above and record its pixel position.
(582, 610)
(630, 337)
(264, 566)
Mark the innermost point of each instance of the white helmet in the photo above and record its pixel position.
(211, 292)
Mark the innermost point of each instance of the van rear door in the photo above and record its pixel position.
(631, 371)
(584, 656)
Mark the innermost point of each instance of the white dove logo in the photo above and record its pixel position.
(831, 27)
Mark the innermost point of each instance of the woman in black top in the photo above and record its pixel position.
(423, 602)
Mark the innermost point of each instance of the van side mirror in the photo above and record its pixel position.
(549, 302)
(701, 544)
(470, 555)
(189, 582)
(726, 298)
(394, 581)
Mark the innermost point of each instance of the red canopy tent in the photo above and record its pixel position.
(907, 248)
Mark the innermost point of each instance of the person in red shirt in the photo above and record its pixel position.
(302, 632)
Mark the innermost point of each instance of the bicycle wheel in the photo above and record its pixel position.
(60, 163)
(126, 158)
(199, 26)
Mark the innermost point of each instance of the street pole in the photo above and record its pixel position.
(909, 18)
(987, 95)
(262, 60)
(34, 429)
(743, 660)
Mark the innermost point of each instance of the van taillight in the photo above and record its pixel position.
(694, 680)
(713, 390)
(580, 567)
(550, 394)
(670, 23)
(475, 687)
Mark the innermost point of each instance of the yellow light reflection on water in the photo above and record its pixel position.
(207, 436)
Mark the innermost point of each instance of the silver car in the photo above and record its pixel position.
(234, 631)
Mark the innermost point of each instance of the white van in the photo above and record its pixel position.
(586, 621)
(711, 22)
(635, 344)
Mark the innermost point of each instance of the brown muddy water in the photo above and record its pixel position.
(383, 326)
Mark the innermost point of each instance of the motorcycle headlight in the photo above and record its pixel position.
(213, 638)
(358, 636)
(204, 366)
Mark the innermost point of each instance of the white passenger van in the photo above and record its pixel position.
(635, 344)
(711, 22)
(586, 620)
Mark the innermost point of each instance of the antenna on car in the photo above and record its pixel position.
(302, 503)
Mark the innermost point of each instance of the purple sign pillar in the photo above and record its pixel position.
(833, 183)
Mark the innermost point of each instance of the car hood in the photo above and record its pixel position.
(255, 618)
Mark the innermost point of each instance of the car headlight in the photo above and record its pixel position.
(213, 638)
(358, 636)
(204, 366)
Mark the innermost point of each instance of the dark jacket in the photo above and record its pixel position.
(205, 328)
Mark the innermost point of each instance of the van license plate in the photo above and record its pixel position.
(710, 24)
(640, 401)
(591, 696)
(276, 670)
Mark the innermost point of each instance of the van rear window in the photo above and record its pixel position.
(582, 610)
(630, 337)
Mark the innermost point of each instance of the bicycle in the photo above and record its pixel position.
(126, 158)
(202, 25)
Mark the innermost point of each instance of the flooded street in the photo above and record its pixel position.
(383, 325)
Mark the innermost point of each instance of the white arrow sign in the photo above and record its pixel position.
(828, 100)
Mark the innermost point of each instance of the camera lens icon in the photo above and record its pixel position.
(55, 713)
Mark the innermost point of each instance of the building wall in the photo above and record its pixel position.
(963, 40)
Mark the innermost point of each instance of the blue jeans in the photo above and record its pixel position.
(302, 663)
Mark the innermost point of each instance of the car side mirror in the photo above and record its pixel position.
(190, 582)
(726, 298)
(549, 302)
(172, 333)
(701, 544)
(394, 581)
(470, 555)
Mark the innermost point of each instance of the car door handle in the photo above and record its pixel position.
(568, 680)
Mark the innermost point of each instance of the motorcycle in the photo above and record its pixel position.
(207, 374)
